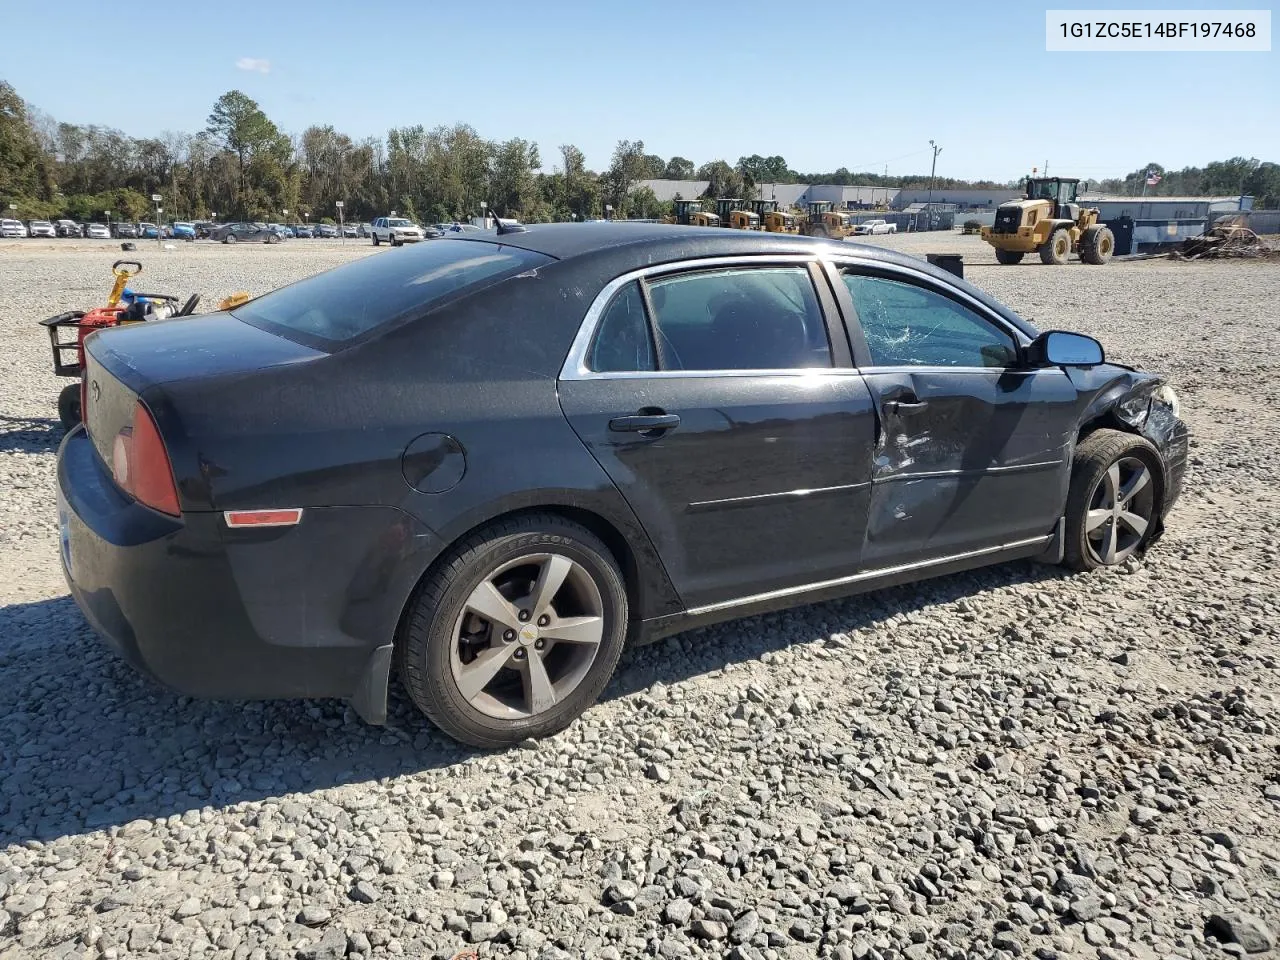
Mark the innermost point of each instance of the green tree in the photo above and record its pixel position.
(238, 123)
(25, 169)
(725, 181)
(678, 168)
(627, 167)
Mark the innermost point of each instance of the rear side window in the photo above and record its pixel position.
(757, 318)
(356, 298)
(622, 342)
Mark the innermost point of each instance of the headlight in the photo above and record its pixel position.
(1164, 394)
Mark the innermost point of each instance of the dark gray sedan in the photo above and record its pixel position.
(492, 460)
(245, 233)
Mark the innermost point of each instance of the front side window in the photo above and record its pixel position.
(758, 318)
(907, 325)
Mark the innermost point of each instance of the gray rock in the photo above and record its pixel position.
(1007, 942)
(1086, 909)
(332, 945)
(709, 930)
(311, 914)
(678, 912)
(362, 891)
(1246, 929)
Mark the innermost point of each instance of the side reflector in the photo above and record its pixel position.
(262, 518)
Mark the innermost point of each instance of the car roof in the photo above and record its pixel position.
(658, 242)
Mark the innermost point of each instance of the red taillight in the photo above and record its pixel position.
(140, 464)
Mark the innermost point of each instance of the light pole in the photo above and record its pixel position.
(484, 216)
(342, 233)
(155, 198)
(932, 170)
(108, 214)
(608, 210)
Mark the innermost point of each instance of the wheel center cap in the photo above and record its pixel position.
(528, 634)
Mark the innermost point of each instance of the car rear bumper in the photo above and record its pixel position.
(303, 611)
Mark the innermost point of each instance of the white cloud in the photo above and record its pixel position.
(253, 65)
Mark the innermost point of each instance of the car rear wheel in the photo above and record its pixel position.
(1113, 507)
(516, 633)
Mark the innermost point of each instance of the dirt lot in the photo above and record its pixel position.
(1000, 763)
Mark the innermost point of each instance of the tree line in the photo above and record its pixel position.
(242, 166)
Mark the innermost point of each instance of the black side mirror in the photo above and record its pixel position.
(1060, 348)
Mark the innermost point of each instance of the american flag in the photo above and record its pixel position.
(1152, 178)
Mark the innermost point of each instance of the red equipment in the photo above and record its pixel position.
(68, 355)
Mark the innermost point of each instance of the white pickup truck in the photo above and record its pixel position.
(395, 231)
(868, 227)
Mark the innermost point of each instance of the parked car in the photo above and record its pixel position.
(350, 230)
(326, 231)
(363, 230)
(281, 230)
(12, 228)
(203, 228)
(148, 231)
(303, 231)
(69, 228)
(868, 227)
(125, 230)
(41, 228)
(182, 230)
(450, 228)
(98, 231)
(395, 231)
(245, 233)
(718, 423)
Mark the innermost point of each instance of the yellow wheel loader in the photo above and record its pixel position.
(825, 221)
(690, 214)
(732, 214)
(1050, 222)
(773, 220)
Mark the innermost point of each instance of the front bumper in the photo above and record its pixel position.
(305, 611)
(407, 237)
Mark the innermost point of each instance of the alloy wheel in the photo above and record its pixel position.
(1121, 509)
(527, 636)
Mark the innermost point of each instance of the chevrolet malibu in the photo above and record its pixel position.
(488, 462)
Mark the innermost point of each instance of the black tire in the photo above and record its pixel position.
(1057, 248)
(273, 238)
(394, 242)
(69, 406)
(1097, 245)
(229, 238)
(1093, 458)
(426, 637)
(376, 241)
(1009, 257)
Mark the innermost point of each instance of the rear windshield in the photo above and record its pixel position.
(349, 301)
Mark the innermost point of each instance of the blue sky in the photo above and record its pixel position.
(825, 84)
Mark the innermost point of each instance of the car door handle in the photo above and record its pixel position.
(904, 408)
(644, 422)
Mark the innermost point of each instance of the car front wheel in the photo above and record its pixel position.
(1113, 507)
(516, 632)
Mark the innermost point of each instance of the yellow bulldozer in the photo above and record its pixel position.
(691, 214)
(773, 220)
(1050, 222)
(826, 221)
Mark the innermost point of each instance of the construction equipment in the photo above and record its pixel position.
(825, 221)
(732, 214)
(1049, 221)
(123, 306)
(691, 214)
(773, 220)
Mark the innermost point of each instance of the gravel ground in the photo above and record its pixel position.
(1007, 762)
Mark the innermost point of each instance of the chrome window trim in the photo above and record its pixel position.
(575, 364)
